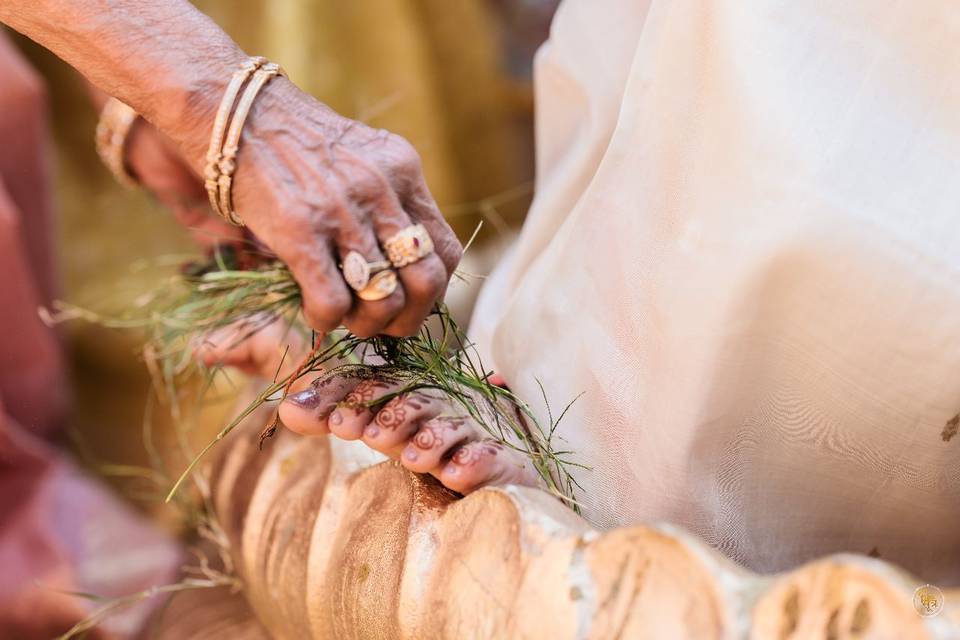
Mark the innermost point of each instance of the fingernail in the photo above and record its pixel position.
(307, 399)
(371, 431)
(451, 470)
(410, 455)
(335, 418)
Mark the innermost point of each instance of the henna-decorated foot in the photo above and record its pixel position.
(308, 412)
(396, 422)
(486, 463)
(416, 428)
(335, 404)
(436, 441)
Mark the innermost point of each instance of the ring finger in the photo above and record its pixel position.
(423, 280)
(368, 317)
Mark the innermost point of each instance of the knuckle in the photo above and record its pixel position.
(450, 251)
(427, 281)
(362, 328)
(367, 185)
(326, 312)
(315, 197)
(405, 156)
(327, 212)
(370, 318)
(368, 328)
(392, 305)
(296, 229)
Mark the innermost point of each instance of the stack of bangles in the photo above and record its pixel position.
(370, 280)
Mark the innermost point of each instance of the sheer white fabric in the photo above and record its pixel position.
(745, 250)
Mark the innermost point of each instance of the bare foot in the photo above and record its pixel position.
(421, 429)
(424, 430)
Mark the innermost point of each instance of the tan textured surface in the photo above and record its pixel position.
(208, 614)
(334, 544)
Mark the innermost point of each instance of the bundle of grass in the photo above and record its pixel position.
(230, 290)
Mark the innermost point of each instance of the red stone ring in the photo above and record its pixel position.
(408, 246)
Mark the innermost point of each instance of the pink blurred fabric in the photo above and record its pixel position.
(59, 530)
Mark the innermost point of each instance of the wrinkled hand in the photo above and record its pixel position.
(314, 186)
(311, 184)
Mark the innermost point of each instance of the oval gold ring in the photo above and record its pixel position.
(381, 285)
(358, 272)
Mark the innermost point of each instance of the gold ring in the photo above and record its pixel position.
(408, 246)
(381, 285)
(357, 271)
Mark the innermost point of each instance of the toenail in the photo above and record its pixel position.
(336, 418)
(307, 399)
(371, 431)
(451, 470)
(410, 455)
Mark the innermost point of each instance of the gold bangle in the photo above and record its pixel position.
(228, 159)
(116, 120)
(214, 151)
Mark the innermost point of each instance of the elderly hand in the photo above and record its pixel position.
(314, 186)
(310, 183)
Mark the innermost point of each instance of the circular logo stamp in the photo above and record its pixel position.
(928, 600)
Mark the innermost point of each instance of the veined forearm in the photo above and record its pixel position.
(165, 58)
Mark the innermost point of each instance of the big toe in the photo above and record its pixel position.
(307, 412)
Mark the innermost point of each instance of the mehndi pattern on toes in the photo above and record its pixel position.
(486, 463)
(429, 447)
(399, 420)
(419, 428)
(308, 411)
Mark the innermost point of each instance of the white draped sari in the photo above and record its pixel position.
(745, 250)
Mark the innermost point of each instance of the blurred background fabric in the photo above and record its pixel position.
(452, 77)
